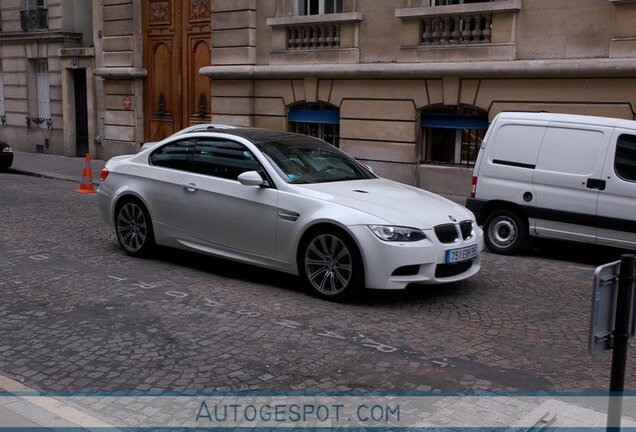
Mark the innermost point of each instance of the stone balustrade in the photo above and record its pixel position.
(457, 29)
(313, 36)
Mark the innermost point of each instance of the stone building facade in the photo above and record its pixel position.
(413, 84)
(46, 76)
(406, 86)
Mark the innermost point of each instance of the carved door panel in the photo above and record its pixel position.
(176, 45)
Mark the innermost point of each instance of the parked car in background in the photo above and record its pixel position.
(6, 156)
(291, 203)
(559, 176)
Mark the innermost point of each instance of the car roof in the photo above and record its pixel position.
(259, 136)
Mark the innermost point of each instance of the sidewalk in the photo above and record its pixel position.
(40, 413)
(53, 166)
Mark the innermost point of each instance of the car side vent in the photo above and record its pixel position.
(466, 227)
(446, 233)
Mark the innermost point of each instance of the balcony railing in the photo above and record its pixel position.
(456, 29)
(459, 32)
(313, 36)
(34, 19)
(328, 38)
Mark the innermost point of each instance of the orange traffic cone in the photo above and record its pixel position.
(86, 186)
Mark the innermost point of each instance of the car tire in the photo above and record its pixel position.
(505, 232)
(133, 227)
(331, 266)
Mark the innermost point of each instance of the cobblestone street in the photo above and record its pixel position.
(78, 315)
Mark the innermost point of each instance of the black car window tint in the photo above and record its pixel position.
(176, 155)
(223, 158)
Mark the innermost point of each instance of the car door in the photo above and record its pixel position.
(221, 211)
(616, 218)
(567, 181)
(162, 180)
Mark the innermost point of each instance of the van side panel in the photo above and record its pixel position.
(571, 154)
(617, 203)
(507, 164)
(572, 176)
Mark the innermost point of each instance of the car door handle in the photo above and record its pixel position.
(190, 187)
(596, 184)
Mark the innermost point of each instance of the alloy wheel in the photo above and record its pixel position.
(132, 227)
(328, 265)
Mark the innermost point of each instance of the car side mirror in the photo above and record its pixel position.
(250, 178)
(369, 168)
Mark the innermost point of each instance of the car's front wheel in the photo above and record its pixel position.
(331, 265)
(505, 232)
(134, 228)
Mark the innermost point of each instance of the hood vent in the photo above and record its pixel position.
(361, 191)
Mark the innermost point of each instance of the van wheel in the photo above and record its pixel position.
(506, 232)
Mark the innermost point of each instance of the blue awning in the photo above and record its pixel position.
(306, 115)
(454, 121)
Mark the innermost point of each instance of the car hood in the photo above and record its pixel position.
(396, 203)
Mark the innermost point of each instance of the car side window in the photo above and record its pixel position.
(176, 155)
(625, 162)
(223, 158)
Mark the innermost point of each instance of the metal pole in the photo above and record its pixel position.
(621, 337)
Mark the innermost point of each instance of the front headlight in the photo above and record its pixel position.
(7, 150)
(397, 234)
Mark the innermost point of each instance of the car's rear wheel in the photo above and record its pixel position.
(331, 265)
(506, 232)
(134, 228)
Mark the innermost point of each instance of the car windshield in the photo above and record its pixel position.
(304, 160)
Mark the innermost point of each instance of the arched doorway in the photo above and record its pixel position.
(176, 38)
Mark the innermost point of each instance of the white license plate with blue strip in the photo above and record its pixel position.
(461, 254)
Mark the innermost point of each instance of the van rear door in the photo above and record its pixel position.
(616, 218)
(568, 179)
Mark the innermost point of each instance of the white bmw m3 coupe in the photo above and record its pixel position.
(291, 203)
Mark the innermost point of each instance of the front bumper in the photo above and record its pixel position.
(395, 265)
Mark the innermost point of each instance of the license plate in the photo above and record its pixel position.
(462, 254)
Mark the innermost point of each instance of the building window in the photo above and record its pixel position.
(452, 135)
(317, 120)
(34, 16)
(2, 104)
(44, 91)
(34, 4)
(3, 112)
(318, 7)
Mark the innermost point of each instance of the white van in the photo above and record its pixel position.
(556, 176)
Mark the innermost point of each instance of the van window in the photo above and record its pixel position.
(517, 145)
(571, 151)
(625, 164)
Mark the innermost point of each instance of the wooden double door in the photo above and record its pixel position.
(176, 38)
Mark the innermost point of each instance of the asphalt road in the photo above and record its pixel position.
(79, 315)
